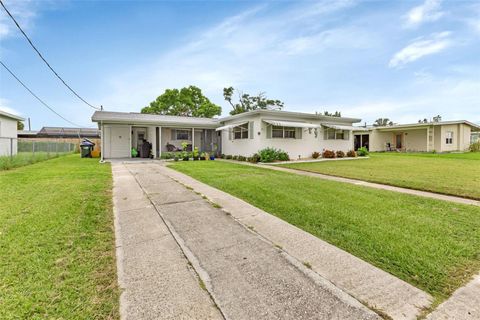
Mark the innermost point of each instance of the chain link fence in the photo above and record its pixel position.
(15, 152)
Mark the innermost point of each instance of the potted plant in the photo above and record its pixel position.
(214, 151)
(203, 156)
(195, 154)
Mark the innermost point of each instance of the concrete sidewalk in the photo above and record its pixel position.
(373, 286)
(156, 279)
(245, 275)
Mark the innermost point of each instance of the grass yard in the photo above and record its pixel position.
(434, 245)
(57, 241)
(26, 158)
(454, 174)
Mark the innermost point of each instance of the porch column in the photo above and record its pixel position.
(428, 139)
(130, 133)
(193, 139)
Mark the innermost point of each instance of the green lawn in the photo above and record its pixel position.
(434, 245)
(57, 241)
(453, 174)
(26, 158)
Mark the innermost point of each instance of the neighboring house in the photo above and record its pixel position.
(62, 134)
(299, 134)
(8, 133)
(443, 136)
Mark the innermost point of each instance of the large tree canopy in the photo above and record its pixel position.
(247, 102)
(382, 122)
(188, 102)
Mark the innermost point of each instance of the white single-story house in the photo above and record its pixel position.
(442, 136)
(299, 134)
(8, 133)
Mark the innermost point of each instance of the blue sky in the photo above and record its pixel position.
(405, 60)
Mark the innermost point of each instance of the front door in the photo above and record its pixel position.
(398, 141)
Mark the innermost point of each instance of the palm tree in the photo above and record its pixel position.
(382, 122)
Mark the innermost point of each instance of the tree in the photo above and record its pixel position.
(188, 102)
(20, 125)
(336, 114)
(247, 102)
(382, 122)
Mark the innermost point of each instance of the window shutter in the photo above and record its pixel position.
(230, 134)
(174, 134)
(298, 134)
(346, 134)
(325, 134)
(269, 131)
(250, 130)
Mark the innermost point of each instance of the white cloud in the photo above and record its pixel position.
(24, 11)
(429, 11)
(245, 51)
(421, 47)
(4, 107)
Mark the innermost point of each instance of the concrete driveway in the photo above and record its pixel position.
(180, 257)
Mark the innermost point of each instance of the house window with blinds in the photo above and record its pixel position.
(335, 134)
(283, 132)
(181, 134)
(240, 132)
(449, 137)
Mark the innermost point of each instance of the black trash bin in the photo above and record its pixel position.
(86, 148)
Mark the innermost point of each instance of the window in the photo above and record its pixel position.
(449, 137)
(240, 132)
(283, 132)
(333, 134)
(182, 134)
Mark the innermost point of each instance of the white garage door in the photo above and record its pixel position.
(117, 142)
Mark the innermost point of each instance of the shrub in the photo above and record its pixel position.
(475, 146)
(362, 152)
(328, 154)
(235, 157)
(255, 158)
(222, 156)
(242, 158)
(283, 156)
(351, 154)
(340, 154)
(315, 155)
(272, 154)
(228, 156)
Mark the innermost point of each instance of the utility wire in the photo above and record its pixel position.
(33, 94)
(41, 57)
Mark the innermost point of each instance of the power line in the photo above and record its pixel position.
(33, 94)
(41, 57)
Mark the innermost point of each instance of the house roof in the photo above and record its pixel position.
(26, 133)
(476, 127)
(68, 132)
(144, 118)
(291, 114)
(9, 115)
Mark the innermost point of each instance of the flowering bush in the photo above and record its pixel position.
(328, 154)
(315, 155)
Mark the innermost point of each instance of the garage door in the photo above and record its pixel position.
(118, 142)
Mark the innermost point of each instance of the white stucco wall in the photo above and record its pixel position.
(8, 130)
(378, 140)
(415, 140)
(461, 137)
(295, 148)
(116, 141)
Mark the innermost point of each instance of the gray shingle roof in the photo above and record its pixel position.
(142, 118)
